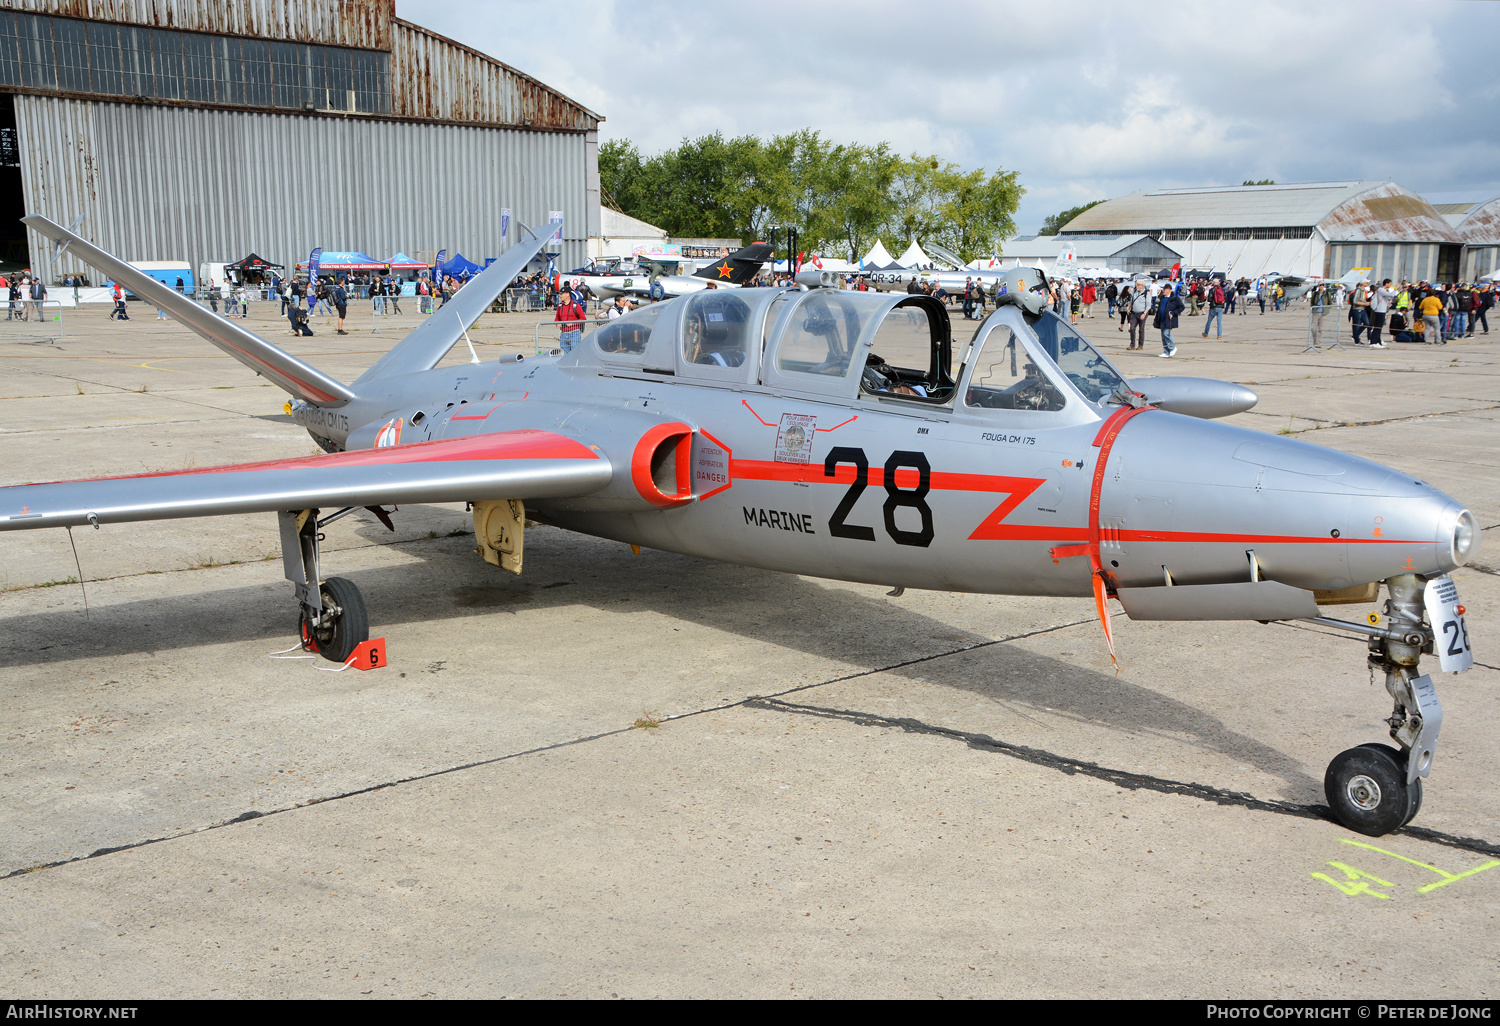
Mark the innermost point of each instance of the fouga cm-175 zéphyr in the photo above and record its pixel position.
(838, 434)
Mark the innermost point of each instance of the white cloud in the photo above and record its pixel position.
(1085, 100)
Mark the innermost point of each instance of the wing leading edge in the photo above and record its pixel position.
(524, 464)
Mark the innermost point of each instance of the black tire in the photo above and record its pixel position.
(1415, 801)
(337, 638)
(1366, 789)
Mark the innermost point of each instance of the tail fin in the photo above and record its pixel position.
(430, 341)
(1066, 264)
(1355, 276)
(276, 365)
(739, 266)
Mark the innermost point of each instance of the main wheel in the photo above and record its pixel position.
(1367, 791)
(339, 633)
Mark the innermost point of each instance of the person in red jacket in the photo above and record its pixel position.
(572, 317)
(1090, 295)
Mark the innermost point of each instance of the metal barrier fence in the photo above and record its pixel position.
(552, 330)
(523, 300)
(1325, 323)
(31, 320)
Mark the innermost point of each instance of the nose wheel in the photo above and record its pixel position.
(1368, 792)
(1374, 789)
(332, 620)
(342, 625)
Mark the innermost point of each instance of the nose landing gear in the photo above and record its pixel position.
(1374, 789)
(332, 620)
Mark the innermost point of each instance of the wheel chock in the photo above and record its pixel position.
(367, 655)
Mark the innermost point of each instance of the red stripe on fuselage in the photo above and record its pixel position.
(525, 444)
(992, 527)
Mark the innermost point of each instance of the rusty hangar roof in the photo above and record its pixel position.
(440, 79)
(427, 77)
(359, 23)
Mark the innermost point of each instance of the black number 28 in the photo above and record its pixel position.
(896, 497)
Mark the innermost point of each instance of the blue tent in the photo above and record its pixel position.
(459, 266)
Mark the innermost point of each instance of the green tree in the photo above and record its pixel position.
(1054, 224)
(840, 197)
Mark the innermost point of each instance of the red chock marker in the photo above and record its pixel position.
(367, 655)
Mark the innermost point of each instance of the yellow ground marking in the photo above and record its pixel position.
(1354, 882)
(1447, 878)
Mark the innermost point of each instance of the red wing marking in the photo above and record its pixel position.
(524, 444)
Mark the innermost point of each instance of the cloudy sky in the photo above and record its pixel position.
(1086, 100)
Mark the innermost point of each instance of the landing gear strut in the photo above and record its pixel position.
(332, 620)
(1374, 789)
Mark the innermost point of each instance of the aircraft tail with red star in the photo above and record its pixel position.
(739, 266)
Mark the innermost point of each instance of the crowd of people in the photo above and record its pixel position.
(24, 294)
(1416, 312)
(1408, 311)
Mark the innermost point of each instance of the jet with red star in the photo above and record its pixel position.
(727, 272)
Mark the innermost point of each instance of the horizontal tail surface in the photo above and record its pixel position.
(430, 341)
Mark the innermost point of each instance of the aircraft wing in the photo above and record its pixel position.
(523, 464)
(282, 368)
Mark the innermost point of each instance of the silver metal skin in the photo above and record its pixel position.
(819, 432)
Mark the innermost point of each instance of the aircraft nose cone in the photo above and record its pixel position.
(1196, 496)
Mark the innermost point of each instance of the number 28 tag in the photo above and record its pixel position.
(1451, 642)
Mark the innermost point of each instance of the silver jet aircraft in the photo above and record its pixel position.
(728, 272)
(843, 435)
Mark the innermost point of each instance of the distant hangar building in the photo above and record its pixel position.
(1322, 228)
(1477, 221)
(206, 129)
(1130, 254)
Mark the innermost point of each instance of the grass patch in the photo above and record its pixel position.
(44, 584)
(647, 721)
(457, 532)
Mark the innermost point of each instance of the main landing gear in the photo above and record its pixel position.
(332, 619)
(1374, 789)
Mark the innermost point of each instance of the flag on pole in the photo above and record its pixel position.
(504, 223)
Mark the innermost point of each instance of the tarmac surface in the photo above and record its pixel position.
(647, 775)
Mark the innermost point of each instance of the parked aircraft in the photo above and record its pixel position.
(1296, 287)
(834, 434)
(731, 272)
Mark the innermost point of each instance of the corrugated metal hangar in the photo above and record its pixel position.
(1315, 228)
(202, 131)
(1130, 253)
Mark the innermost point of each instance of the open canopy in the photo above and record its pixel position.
(255, 263)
